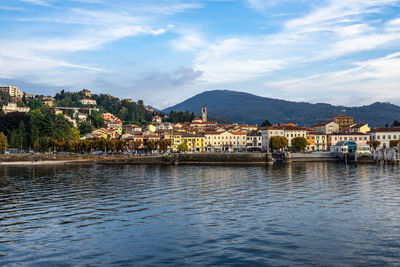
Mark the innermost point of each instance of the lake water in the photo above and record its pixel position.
(298, 215)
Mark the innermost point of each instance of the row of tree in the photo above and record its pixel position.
(280, 142)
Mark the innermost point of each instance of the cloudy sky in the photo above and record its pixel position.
(336, 51)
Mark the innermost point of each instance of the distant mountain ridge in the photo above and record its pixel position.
(248, 108)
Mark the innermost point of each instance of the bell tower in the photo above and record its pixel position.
(204, 113)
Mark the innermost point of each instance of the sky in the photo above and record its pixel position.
(344, 52)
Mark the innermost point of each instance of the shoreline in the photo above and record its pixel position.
(173, 159)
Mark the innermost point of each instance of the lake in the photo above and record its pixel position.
(299, 214)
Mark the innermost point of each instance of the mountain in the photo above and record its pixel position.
(247, 108)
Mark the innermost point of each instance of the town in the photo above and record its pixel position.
(76, 122)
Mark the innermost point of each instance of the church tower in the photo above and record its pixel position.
(204, 113)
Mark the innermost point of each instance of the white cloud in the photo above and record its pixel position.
(373, 80)
(40, 58)
(331, 31)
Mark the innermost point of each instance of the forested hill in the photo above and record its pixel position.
(247, 108)
(124, 109)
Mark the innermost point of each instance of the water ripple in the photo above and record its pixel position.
(282, 215)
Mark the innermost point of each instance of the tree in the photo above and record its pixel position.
(396, 123)
(300, 143)
(183, 147)
(278, 142)
(374, 144)
(394, 143)
(150, 145)
(97, 120)
(85, 127)
(164, 144)
(35, 103)
(3, 142)
(266, 123)
(137, 144)
(22, 136)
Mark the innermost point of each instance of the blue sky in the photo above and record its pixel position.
(335, 51)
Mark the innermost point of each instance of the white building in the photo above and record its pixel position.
(254, 140)
(225, 141)
(87, 101)
(289, 132)
(82, 117)
(12, 107)
(11, 90)
(385, 135)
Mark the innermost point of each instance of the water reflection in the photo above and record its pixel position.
(292, 214)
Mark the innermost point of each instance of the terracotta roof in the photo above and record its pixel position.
(385, 129)
(288, 128)
(348, 134)
(322, 123)
(340, 116)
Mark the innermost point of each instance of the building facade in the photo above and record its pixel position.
(358, 138)
(88, 101)
(12, 91)
(385, 135)
(328, 127)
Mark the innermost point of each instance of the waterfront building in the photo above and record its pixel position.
(88, 101)
(345, 147)
(12, 91)
(359, 128)
(254, 141)
(384, 135)
(12, 107)
(328, 127)
(289, 132)
(225, 141)
(358, 138)
(317, 141)
(194, 142)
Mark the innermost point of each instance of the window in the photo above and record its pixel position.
(383, 137)
(389, 137)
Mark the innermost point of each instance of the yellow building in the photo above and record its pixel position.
(360, 128)
(248, 127)
(176, 140)
(342, 120)
(195, 142)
